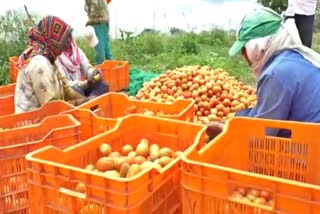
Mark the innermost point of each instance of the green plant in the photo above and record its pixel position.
(13, 41)
(4, 74)
(215, 37)
(83, 44)
(151, 43)
(277, 5)
(189, 44)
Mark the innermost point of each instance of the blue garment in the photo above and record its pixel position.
(103, 49)
(95, 90)
(288, 89)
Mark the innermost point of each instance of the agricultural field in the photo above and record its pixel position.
(152, 51)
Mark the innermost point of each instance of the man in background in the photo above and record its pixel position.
(303, 11)
(98, 18)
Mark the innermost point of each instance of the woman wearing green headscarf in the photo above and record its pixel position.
(287, 73)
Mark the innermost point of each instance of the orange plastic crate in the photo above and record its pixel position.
(114, 105)
(7, 99)
(15, 170)
(61, 131)
(244, 157)
(90, 124)
(116, 74)
(13, 64)
(33, 117)
(53, 173)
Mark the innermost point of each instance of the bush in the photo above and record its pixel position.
(189, 44)
(13, 35)
(215, 37)
(83, 44)
(13, 41)
(151, 44)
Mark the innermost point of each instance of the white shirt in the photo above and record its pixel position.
(301, 7)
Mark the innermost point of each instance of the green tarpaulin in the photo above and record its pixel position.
(137, 78)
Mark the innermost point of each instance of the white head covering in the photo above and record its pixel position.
(260, 50)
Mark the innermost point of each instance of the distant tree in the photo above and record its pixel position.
(277, 5)
(149, 31)
(125, 34)
(281, 5)
(175, 30)
(317, 21)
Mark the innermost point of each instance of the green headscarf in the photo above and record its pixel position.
(260, 23)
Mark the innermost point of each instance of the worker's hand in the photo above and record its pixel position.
(80, 101)
(214, 129)
(94, 73)
(91, 97)
(83, 100)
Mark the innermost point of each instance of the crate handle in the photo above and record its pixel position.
(94, 108)
(72, 193)
(262, 124)
(289, 131)
(251, 204)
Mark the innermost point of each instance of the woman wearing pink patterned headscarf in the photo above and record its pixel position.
(79, 73)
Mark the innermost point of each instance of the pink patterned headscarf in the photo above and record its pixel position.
(71, 61)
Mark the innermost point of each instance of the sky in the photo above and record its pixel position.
(135, 15)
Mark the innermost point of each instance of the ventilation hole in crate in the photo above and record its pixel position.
(89, 207)
(262, 155)
(283, 132)
(293, 160)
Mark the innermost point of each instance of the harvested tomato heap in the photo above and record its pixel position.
(217, 95)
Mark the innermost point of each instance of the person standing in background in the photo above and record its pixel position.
(303, 11)
(98, 18)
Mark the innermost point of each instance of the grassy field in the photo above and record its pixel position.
(157, 52)
(149, 52)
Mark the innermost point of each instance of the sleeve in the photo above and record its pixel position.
(86, 67)
(86, 6)
(44, 82)
(274, 100)
(250, 112)
(63, 72)
(290, 11)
